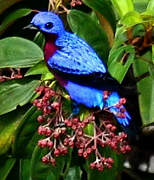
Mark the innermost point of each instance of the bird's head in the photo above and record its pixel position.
(48, 22)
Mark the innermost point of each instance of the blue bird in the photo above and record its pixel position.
(78, 68)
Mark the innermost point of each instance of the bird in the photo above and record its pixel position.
(78, 68)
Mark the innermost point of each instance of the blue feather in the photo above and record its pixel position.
(76, 58)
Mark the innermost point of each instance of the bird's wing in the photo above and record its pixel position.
(76, 57)
(78, 62)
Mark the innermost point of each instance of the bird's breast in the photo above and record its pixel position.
(50, 47)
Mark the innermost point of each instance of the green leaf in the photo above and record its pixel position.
(18, 52)
(26, 136)
(140, 5)
(73, 173)
(40, 68)
(138, 30)
(13, 16)
(120, 60)
(16, 92)
(89, 31)
(104, 7)
(145, 88)
(151, 70)
(5, 167)
(40, 171)
(109, 174)
(150, 6)
(131, 18)
(39, 39)
(25, 165)
(123, 6)
(8, 125)
(5, 4)
(153, 53)
(148, 18)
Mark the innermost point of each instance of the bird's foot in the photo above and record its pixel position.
(75, 110)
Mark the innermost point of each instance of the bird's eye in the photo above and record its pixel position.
(49, 25)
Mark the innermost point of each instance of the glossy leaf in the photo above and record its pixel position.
(8, 20)
(153, 53)
(120, 60)
(109, 174)
(89, 31)
(104, 7)
(73, 173)
(5, 167)
(26, 136)
(18, 52)
(16, 92)
(146, 89)
(138, 30)
(5, 4)
(40, 68)
(131, 18)
(8, 125)
(150, 6)
(42, 171)
(140, 5)
(123, 7)
(151, 70)
(25, 165)
(39, 39)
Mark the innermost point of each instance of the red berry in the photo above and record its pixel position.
(56, 134)
(92, 165)
(85, 155)
(50, 144)
(93, 147)
(39, 105)
(41, 130)
(89, 150)
(109, 126)
(48, 132)
(56, 105)
(80, 152)
(75, 120)
(45, 159)
(128, 148)
(71, 144)
(64, 150)
(42, 143)
(122, 101)
(53, 161)
(69, 124)
(40, 119)
(98, 165)
(74, 127)
(63, 130)
(35, 102)
(80, 132)
(113, 128)
(66, 141)
(110, 160)
(56, 152)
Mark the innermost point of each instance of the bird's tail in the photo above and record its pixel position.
(115, 105)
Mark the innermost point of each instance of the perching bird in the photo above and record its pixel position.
(78, 68)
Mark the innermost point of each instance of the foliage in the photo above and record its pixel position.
(120, 32)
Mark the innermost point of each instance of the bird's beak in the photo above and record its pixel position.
(31, 26)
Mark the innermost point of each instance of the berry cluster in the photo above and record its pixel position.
(103, 135)
(10, 73)
(73, 3)
(62, 133)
